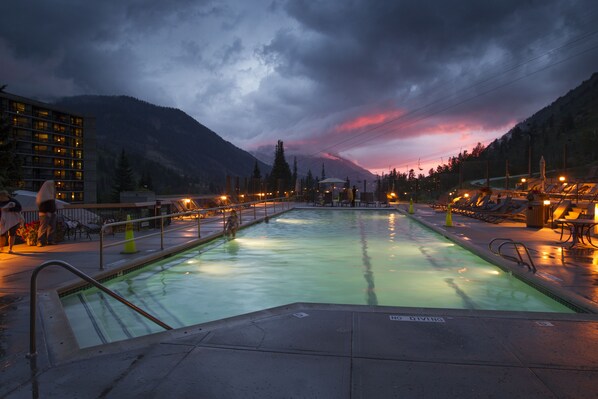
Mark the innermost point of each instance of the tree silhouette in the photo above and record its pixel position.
(280, 176)
(123, 177)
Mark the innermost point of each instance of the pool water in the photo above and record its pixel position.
(344, 257)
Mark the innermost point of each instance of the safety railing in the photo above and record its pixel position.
(199, 214)
(33, 300)
(516, 246)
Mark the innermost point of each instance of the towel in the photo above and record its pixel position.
(8, 218)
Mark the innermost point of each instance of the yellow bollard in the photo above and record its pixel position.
(449, 217)
(411, 206)
(129, 245)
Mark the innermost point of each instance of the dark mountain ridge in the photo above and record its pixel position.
(565, 133)
(180, 154)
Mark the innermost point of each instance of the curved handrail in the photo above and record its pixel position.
(519, 260)
(90, 280)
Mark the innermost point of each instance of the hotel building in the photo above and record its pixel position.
(53, 144)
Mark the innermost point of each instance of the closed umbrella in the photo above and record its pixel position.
(543, 172)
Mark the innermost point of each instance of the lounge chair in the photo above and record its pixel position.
(516, 212)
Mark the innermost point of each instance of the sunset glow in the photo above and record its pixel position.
(369, 120)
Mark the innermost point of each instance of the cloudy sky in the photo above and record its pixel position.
(386, 84)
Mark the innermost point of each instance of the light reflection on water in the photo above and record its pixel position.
(348, 257)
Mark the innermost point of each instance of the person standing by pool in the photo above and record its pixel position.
(46, 203)
(232, 224)
(10, 219)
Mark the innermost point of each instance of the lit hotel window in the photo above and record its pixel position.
(40, 148)
(59, 162)
(39, 125)
(79, 154)
(18, 107)
(43, 137)
(59, 150)
(42, 113)
(78, 175)
(78, 132)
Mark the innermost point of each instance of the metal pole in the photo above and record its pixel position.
(101, 247)
(162, 233)
(198, 224)
(507, 174)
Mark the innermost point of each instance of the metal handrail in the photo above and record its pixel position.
(197, 212)
(33, 299)
(519, 260)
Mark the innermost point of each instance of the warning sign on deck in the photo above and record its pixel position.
(422, 319)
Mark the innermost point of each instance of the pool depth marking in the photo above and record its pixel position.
(420, 319)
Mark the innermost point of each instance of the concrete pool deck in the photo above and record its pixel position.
(318, 350)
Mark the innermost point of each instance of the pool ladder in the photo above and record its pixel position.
(516, 245)
(33, 302)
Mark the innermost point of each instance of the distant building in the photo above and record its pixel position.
(54, 144)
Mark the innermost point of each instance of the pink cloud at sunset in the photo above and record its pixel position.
(369, 120)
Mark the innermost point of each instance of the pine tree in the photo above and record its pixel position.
(123, 177)
(294, 177)
(280, 176)
(257, 174)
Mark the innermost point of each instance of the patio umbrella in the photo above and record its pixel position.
(27, 200)
(543, 172)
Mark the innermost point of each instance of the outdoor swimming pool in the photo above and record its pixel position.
(345, 257)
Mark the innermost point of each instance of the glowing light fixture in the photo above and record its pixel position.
(562, 179)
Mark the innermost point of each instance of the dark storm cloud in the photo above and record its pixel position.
(305, 70)
(359, 51)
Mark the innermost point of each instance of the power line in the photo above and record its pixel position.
(581, 39)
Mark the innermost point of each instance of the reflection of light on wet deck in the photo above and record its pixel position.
(495, 272)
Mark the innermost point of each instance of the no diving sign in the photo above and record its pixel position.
(421, 319)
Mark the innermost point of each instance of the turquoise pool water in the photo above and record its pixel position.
(346, 257)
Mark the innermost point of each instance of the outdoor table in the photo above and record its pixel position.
(580, 229)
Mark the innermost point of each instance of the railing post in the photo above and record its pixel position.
(101, 247)
(162, 233)
(254, 211)
(265, 208)
(198, 224)
(240, 216)
(223, 220)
